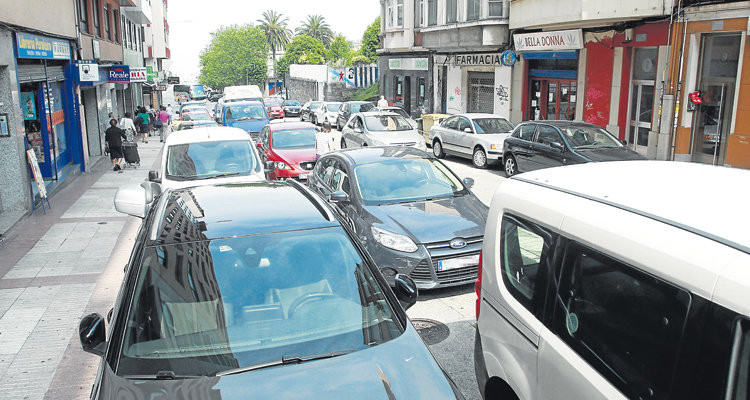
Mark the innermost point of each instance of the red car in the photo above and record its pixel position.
(291, 148)
(273, 108)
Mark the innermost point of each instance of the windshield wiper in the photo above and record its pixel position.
(285, 360)
(203, 178)
(243, 119)
(160, 376)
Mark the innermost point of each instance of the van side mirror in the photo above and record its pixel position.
(153, 176)
(91, 332)
(405, 290)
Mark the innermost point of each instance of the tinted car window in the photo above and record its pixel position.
(409, 180)
(492, 125)
(205, 160)
(626, 323)
(212, 306)
(584, 137)
(548, 135)
(294, 139)
(739, 384)
(524, 253)
(526, 132)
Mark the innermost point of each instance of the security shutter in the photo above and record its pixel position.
(481, 92)
(35, 73)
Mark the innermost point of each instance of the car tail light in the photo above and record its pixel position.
(478, 284)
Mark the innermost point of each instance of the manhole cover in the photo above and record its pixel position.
(431, 331)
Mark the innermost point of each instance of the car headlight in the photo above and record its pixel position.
(282, 165)
(394, 240)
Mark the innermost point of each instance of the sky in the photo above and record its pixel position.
(192, 21)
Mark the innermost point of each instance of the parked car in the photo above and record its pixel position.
(400, 111)
(250, 116)
(191, 104)
(410, 211)
(273, 108)
(308, 109)
(544, 144)
(213, 97)
(328, 111)
(185, 125)
(255, 291)
(291, 148)
(614, 281)
(291, 108)
(208, 155)
(479, 137)
(350, 108)
(379, 128)
(191, 114)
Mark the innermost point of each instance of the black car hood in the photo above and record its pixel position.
(402, 368)
(610, 154)
(432, 221)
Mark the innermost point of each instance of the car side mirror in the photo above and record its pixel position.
(468, 130)
(556, 145)
(405, 290)
(135, 199)
(91, 332)
(339, 197)
(624, 142)
(269, 166)
(468, 182)
(153, 176)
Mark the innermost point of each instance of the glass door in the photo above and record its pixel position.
(641, 98)
(717, 80)
(552, 99)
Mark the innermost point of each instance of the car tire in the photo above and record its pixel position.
(437, 149)
(511, 167)
(479, 158)
(343, 143)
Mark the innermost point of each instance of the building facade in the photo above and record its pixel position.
(157, 54)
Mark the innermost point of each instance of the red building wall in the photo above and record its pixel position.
(599, 62)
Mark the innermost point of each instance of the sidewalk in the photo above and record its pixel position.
(55, 269)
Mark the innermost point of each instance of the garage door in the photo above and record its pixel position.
(481, 92)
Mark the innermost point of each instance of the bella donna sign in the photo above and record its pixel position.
(549, 41)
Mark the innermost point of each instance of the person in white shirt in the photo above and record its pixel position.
(324, 140)
(126, 124)
(170, 110)
(382, 102)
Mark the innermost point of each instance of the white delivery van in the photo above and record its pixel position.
(620, 280)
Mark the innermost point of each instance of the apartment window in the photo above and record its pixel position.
(115, 25)
(451, 11)
(400, 13)
(398, 88)
(389, 17)
(97, 28)
(107, 32)
(496, 8)
(83, 9)
(421, 13)
(421, 92)
(473, 8)
(431, 12)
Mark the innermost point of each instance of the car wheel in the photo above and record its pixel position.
(511, 168)
(479, 158)
(437, 149)
(343, 143)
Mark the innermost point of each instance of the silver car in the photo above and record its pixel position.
(479, 137)
(380, 129)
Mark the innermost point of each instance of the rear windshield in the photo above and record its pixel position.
(387, 123)
(333, 106)
(205, 160)
(294, 139)
(210, 306)
(362, 107)
(315, 105)
(291, 103)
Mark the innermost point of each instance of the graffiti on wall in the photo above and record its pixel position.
(502, 93)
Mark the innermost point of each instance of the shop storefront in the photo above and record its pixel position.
(101, 94)
(47, 103)
(405, 82)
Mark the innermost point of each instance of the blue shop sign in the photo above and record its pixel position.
(119, 74)
(42, 47)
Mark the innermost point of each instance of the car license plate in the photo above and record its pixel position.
(459, 262)
(304, 176)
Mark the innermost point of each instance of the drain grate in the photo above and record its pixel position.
(431, 331)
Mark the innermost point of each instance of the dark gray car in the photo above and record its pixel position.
(413, 214)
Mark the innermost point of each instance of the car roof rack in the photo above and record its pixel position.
(314, 198)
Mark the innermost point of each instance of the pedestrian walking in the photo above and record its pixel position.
(163, 119)
(382, 102)
(126, 124)
(114, 136)
(143, 126)
(170, 110)
(324, 141)
(151, 120)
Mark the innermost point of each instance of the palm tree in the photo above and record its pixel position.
(317, 27)
(274, 27)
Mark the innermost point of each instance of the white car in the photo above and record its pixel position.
(211, 155)
(378, 128)
(328, 111)
(479, 137)
(616, 281)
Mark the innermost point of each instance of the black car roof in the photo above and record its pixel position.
(561, 123)
(366, 155)
(222, 211)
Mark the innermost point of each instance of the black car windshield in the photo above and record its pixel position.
(584, 137)
(206, 307)
(409, 179)
(386, 123)
(361, 107)
(293, 103)
(492, 125)
(192, 161)
(242, 112)
(294, 138)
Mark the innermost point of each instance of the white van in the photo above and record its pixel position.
(616, 280)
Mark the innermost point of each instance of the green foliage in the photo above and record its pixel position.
(317, 27)
(360, 59)
(340, 51)
(236, 56)
(303, 49)
(371, 42)
(366, 94)
(274, 27)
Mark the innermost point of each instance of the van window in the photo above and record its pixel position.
(739, 383)
(624, 322)
(523, 255)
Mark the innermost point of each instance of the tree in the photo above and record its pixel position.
(274, 27)
(371, 41)
(236, 56)
(303, 49)
(340, 51)
(317, 27)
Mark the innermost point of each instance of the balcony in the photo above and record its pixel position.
(532, 14)
(140, 13)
